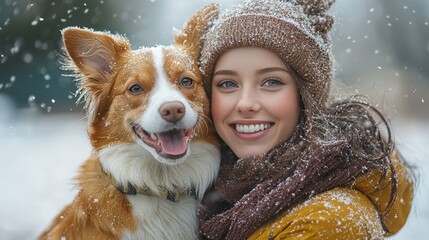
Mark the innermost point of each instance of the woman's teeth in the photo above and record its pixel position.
(251, 128)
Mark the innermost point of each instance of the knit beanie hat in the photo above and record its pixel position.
(296, 30)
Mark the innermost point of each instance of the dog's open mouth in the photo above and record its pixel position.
(172, 144)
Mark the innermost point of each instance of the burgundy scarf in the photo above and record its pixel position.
(259, 188)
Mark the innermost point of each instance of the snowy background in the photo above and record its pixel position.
(381, 48)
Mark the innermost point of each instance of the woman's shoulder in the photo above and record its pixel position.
(379, 191)
(340, 213)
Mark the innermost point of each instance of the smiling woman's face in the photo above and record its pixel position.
(255, 100)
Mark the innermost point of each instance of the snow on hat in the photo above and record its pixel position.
(296, 30)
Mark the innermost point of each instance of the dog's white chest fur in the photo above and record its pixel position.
(163, 219)
(160, 218)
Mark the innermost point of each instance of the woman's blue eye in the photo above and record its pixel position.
(227, 84)
(273, 83)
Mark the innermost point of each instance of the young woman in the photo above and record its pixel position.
(295, 164)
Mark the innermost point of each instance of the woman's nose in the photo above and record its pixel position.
(248, 102)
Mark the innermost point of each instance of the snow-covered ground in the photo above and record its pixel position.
(40, 154)
(412, 139)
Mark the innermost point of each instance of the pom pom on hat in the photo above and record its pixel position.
(296, 30)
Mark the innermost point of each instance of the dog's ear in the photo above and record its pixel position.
(190, 37)
(93, 57)
(93, 54)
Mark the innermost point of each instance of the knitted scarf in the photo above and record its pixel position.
(261, 187)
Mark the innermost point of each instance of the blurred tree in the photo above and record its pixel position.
(404, 28)
(30, 40)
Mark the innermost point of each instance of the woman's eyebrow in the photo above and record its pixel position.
(225, 72)
(272, 69)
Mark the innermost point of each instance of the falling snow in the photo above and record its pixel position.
(32, 142)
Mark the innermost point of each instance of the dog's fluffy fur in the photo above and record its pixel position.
(136, 140)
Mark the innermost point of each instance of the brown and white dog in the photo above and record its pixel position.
(154, 149)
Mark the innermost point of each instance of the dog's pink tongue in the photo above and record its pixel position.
(173, 142)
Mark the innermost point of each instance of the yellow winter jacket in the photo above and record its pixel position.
(358, 212)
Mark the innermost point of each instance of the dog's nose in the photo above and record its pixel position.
(172, 111)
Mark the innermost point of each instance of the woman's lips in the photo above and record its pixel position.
(251, 131)
(251, 128)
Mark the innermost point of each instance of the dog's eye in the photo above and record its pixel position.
(135, 89)
(187, 82)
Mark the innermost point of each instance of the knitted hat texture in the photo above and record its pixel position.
(296, 30)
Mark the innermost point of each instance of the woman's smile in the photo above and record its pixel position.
(251, 132)
(251, 128)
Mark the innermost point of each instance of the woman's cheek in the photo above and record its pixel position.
(216, 106)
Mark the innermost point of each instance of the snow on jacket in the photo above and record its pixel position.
(358, 212)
